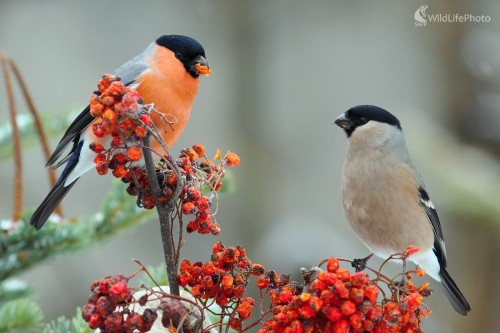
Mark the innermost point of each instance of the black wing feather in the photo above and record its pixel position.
(58, 192)
(74, 130)
(432, 215)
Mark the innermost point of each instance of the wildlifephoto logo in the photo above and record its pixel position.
(422, 18)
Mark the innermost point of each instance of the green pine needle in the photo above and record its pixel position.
(73, 325)
(20, 249)
(21, 315)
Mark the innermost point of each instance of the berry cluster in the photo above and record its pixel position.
(110, 308)
(223, 279)
(117, 112)
(340, 302)
(107, 296)
(197, 172)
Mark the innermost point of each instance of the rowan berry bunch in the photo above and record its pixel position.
(118, 113)
(112, 305)
(199, 175)
(337, 301)
(223, 279)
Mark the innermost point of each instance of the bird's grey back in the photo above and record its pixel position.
(130, 70)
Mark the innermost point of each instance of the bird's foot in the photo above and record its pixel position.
(360, 264)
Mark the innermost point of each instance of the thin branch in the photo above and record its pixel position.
(16, 144)
(38, 124)
(163, 214)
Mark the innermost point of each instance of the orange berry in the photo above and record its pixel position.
(316, 303)
(221, 299)
(202, 203)
(375, 314)
(356, 320)
(412, 249)
(202, 70)
(141, 132)
(102, 168)
(238, 291)
(191, 153)
(420, 272)
(172, 180)
(341, 326)
(227, 282)
(116, 88)
(134, 153)
(348, 308)
(235, 324)
(146, 119)
(232, 159)
(107, 100)
(196, 291)
(218, 246)
(230, 255)
(263, 282)
(332, 265)
(359, 279)
(257, 269)
(120, 171)
(192, 193)
(188, 208)
(371, 293)
(120, 158)
(199, 149)
(127, 124)
(96, 147)
(332, 313)
(96, 106)
(343, 274)
(109, 115)
(99, 129)
(245, 308)
(327, 277)
(341, 290)
(117, 141)
(192, 226)
(318, 285)
(357, 295)
(99, 158)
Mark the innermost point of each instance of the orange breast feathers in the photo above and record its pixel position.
(172, 90)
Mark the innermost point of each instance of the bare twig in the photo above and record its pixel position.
(16, 144)
(38, 124)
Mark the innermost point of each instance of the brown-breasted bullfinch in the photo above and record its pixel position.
(166, 74)
(384, 197)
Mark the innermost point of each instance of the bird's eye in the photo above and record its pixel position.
(363, 120)
(178, 55)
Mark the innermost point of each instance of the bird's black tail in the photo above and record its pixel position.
(50, 203)
(455, 296)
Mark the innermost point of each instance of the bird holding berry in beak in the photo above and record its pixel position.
(166, 75)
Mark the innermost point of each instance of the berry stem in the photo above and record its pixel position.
(163, 214)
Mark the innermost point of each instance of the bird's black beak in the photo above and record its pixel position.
(343, 122)
(199, 66)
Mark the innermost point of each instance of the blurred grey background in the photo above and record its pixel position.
(282, 72)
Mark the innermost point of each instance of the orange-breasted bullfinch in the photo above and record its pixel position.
(166, 74)
(384, 197)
